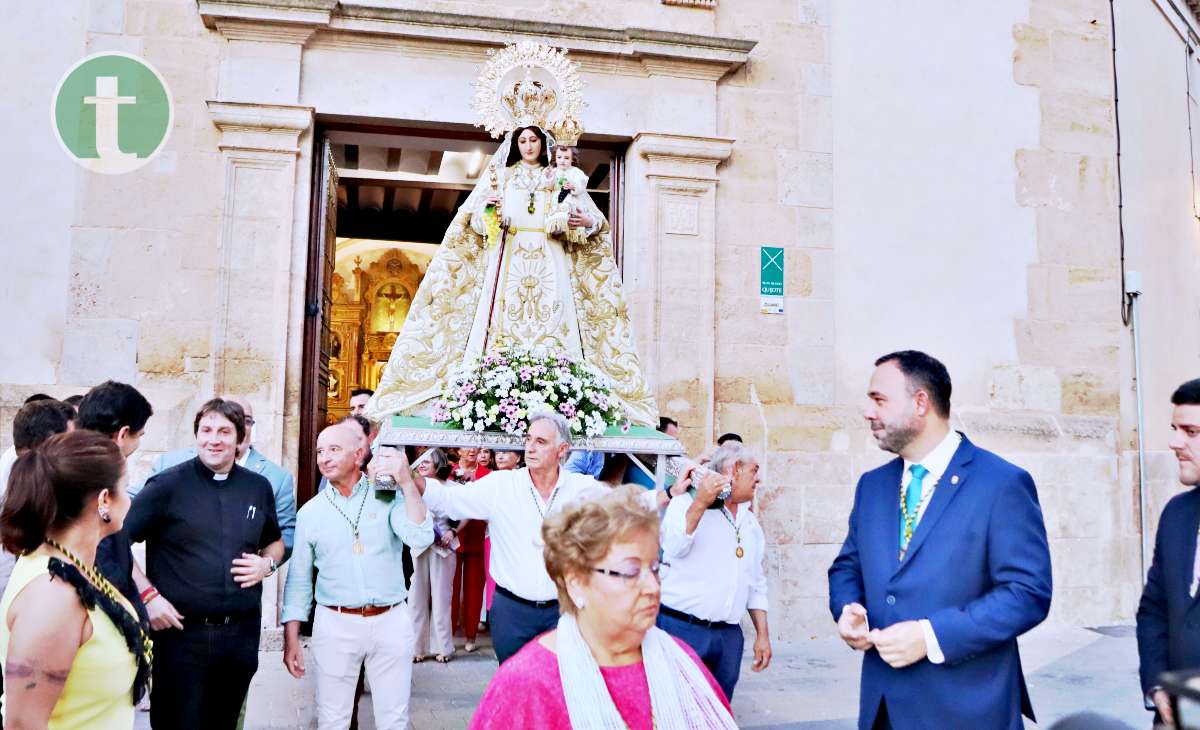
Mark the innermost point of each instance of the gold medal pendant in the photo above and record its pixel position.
(358, 548)
(531, 207)
(739, 552)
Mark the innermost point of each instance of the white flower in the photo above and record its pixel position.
(478, 426)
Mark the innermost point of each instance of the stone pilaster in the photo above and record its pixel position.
(670, 270)
(260, 147)
(1069, 341)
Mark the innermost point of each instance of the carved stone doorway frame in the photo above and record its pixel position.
(266, 105)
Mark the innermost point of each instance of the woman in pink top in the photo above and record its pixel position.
(505, 460)
(606, 665)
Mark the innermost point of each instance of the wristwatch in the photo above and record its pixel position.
(274, 565)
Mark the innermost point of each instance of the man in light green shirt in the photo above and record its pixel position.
(353, 534)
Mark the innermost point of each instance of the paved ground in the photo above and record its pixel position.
(810, 686)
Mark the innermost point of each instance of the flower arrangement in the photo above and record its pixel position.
(497, 392)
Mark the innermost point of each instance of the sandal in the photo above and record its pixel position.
(470, 647)
(418, 658)
(442, 659)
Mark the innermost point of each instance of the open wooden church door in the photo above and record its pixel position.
(318, 301)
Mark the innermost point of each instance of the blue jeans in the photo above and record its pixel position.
(514, 624)
(719, 647)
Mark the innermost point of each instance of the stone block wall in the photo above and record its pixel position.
(1054, 409)
(775, 376)
(143, 259)
(1071, 341)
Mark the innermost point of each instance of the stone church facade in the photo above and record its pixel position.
(942, 178)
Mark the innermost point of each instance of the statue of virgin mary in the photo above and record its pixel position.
(524, 287)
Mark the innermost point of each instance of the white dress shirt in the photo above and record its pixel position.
(441, 525)
(514, 512)
(936, 462)
(706, 578)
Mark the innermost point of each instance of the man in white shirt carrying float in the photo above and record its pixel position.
(714, 555)
(515, 503)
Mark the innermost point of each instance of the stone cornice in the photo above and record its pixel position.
(274, 32)
(303, 12)
(260, 127)
(700, 149)
(661, 52)
(675, 155)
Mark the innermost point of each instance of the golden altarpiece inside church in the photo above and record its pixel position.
(369, 307)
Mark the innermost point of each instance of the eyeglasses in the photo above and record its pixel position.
(632, 575)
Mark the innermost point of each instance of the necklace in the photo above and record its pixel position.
(527, 178)
(537, 539)
(101, 583)
(737, 532)
(910, 520)
(358, 546)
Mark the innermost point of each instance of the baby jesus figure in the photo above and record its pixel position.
(566, 183)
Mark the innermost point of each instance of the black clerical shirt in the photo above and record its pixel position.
(194, 525)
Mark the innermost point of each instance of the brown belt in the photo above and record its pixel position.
(365, 611)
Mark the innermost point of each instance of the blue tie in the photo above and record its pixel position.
(912, 501)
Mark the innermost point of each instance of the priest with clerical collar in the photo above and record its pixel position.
(211, 537)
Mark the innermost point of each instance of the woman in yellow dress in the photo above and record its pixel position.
(74, 654)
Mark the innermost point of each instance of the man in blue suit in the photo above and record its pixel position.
(945, 564)
(1168, 617)
(251, 458)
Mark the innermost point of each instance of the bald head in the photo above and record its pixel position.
(340, 450)
(344, 433)
(241, 401)
(248, 437)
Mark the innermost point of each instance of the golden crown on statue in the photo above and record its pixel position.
(530, 83)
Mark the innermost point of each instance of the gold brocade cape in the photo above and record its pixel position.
(436, 337)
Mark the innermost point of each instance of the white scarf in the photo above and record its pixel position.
(680, 696)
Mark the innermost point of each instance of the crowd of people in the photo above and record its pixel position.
(608, 604)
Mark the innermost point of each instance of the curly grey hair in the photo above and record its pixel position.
(729, 456)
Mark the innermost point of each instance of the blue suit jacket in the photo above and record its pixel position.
(1168, 619)
(282, 485)
(978, 568)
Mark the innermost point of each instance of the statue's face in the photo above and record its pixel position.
(530, 145)
(563, 158)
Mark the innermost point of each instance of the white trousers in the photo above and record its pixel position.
(432, 588)
(341, 643)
